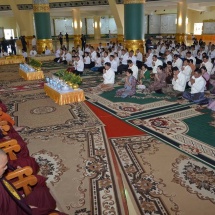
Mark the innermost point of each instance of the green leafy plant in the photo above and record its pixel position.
(35, 63)
(69, 77)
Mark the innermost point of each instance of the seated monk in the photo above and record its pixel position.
(3, 107)
(12, 134)
(6, 117)
(38, 202)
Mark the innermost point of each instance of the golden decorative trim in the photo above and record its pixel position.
(42, 43)
(209, 20)
(134, 1)
(11, 190)
(135, 44)
(181, 37)
(41, 8)
(77, 40)
(120, 38)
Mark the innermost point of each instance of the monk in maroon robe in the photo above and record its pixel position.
(38, 202)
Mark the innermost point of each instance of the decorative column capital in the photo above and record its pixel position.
(41, 8)
(134, 1)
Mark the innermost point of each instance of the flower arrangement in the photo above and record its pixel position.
(68, 77)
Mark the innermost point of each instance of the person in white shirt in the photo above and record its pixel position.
(106, 58)
(108, 74)
(148, 59)
(139, 57)
(162, 49)
(68, 58)
(86, 60)
(177, 62)
(211, 53)
(3, 53)
(186, 70)
(178, 84)
(47, 51)
(197, 84)
(80, 52)
(124, 65)
(132, 57)
(79, 66)
(98, 63)
(34, 42)
(92, 57)
(33, 52)
(193, 51)
(109, 80)
(134, 68)
(24, 54)
(87, 49)
(189, 56)
(155, 63)
(116, 58)
(57, 55)
(168, 56)
(207, 64)
(113, 63)
(199, 55)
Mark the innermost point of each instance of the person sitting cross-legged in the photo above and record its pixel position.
(178, 84)
(159, 81)
(144, 78)
(129, 87)
(197, 84)
(109, 80)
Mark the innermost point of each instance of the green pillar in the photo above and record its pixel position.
(42, 23)
(134, 24)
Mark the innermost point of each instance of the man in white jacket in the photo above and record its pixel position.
(197, 84)
(178, 84)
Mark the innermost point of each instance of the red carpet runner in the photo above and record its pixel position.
(114, 127)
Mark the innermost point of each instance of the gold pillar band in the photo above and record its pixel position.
(41, 44)
(77, 40)
(135, 44)
(134, 1)
(120, 38)
(181, 37)
(41, 8)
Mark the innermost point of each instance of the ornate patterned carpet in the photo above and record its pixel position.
(70, 145)
(177, 124)
(162, 180)
(190, 130)
(140, 104)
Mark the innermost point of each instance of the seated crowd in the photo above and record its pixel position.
(169, 67)
(12, 201)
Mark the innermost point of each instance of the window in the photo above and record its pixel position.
(198, 28)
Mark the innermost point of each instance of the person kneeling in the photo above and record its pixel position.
(197, 84)
(129, 87)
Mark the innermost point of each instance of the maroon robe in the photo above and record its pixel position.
(3, 107)
(39, 197)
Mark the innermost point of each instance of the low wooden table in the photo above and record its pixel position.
(12, 59)
(64, 97)
(29, 76)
